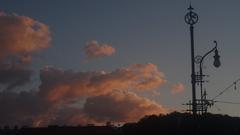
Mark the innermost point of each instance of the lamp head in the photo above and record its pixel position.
(216, 57)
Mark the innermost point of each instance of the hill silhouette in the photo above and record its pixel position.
(174, 123)
(186, 124)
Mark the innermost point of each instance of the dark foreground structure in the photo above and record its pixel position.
(174, 123)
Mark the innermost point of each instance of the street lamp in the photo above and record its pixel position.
(216, 57)
(216, 63)
(191, 18)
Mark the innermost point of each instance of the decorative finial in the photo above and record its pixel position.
(190, 6)
(191, 17)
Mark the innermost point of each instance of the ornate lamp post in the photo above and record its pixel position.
(191, 18)
(198, 105)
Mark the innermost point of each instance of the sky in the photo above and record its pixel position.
(90, 61)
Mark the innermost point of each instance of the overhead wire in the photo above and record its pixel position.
(228, 102)
(217, 108)
(227, 88)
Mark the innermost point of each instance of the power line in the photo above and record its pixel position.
(228, 102)
(217, 108)
(234, 84)
(227, 88)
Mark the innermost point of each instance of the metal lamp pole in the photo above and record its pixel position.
(198, 106)
(216, 63)
(191, 18)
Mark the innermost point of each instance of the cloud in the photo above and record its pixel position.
(56, 101)
(109, 97)
(121, 106)
(155, 93)
(64, 86)
(21, 36)
(117, 106)
(95, 50)
(177, 88)
(13, 75)
(19, 108)
(29, 108)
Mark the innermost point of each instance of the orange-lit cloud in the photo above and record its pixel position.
(177, 88)
(121, 106)
(95, 50)
(59, 85)
(21, 36)
(116, 106)
(109, 97)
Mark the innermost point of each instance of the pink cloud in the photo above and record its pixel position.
(107, 97)
(22, 36)
(60, 85)
(109, 94)
(177, 88)
(121, 106)
(95, 50)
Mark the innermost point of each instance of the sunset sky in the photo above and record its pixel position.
(91, 61)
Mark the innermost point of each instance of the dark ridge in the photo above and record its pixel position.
(174, 123)
(185, 124)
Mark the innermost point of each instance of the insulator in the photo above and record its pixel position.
(235, 85)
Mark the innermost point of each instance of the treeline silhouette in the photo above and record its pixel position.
(174, 123)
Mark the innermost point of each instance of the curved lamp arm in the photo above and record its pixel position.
(214, 48)
(216, 57)
(216, 62)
